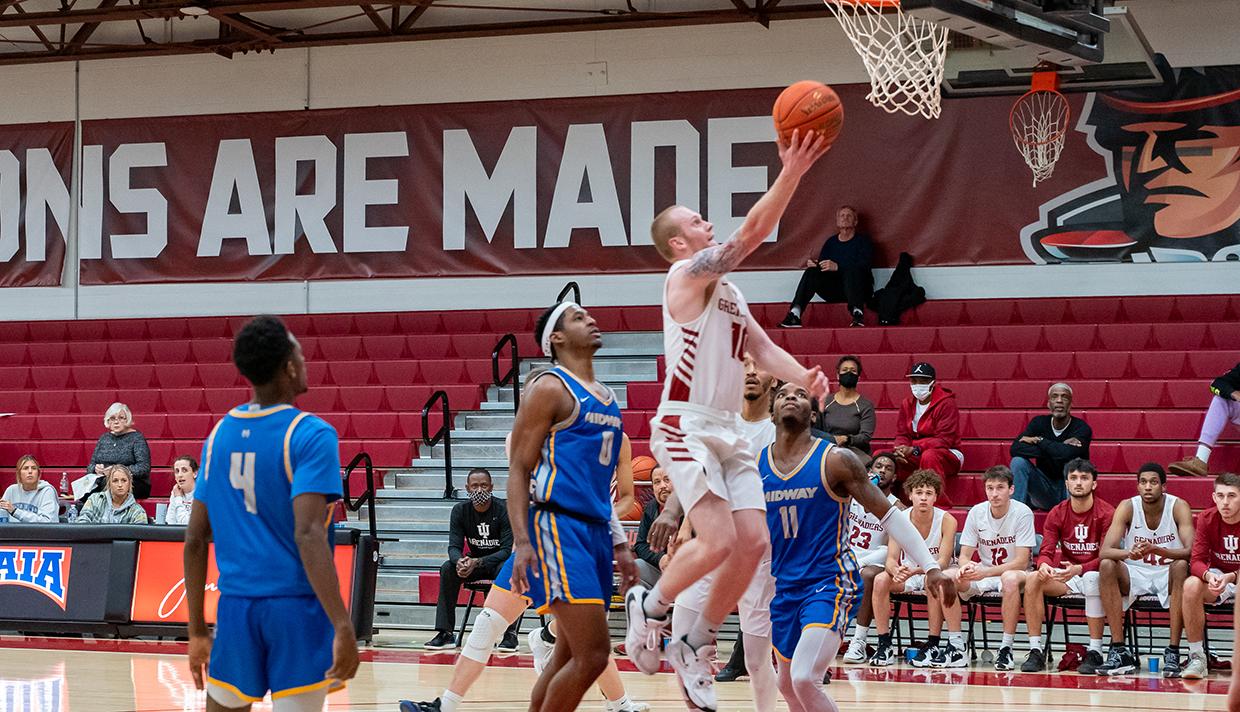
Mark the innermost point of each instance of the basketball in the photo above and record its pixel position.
(643, 465)
(808, 106)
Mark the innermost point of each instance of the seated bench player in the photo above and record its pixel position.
(869, 544)
(1000, 531)
(901, 574)
(1145, 553)
(1068, 563)
(1213, 564)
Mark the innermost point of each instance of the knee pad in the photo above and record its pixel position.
(488, 628)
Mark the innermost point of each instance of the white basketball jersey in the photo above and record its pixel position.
(933, 539)
(867, 533)
(1167, 535)
(996, 540)
(705, 357)
(759, 433)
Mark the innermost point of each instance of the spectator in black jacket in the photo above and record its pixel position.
(1047, 444)
(1224, 407)
(482, 523)
(840, 273)
(650, 563)
(120, 445)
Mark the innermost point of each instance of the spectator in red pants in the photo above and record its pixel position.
(928, 428)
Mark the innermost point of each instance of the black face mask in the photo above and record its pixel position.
(848, 379)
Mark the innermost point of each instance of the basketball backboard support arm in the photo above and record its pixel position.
(1065, 39)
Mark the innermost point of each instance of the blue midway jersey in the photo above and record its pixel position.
(579, 456)
(809, 525)
(253, 464)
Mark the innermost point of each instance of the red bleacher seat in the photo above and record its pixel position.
(470, 345)
(14, 354)
(963, 339)
(937, 313)
(1204, 307)
(993, 424)
(1026, 395)
(128, 352)
(992, 366)
(48, 331)
(53, 402)
(351, 373)
(377, 323)
(169, 352)
(374, 426)
(190, 426)
(365, 398)
(810, 341)
(857, 341)
(874, 367)
(219, 375)
(1046, 310)
(1189, 394)
(990, 311)
(168, 330)
(397, 372)
(383, 453)
(222, 400)
(45, 377)
(1092, 311)
(385, 348)
(17, 427)
(342, 422)
(517, 322)
(909, 339)
(479, 371)
(1224, 336)
(1211, 364)
(969, 394)
(1124, 337)
(177, 375)
(1159, 364)
(636, 424)
(644, 395)
(1179, 337)
(318, 400)
(163, 451)
(162, 482)
(92, 377)
(1048, 367)
(442, 373)
(1148, 309)
(212, 350)
(1068, 337)
(339, 348)
(316, 373)
(1177, 425)
(1015, 337)
(430, 346)
(332, 324)
(1135, 394)
(14, 377)
(59, 427)
(1104, 365)
(608, 319)
(420, 323)
(133, 376)
(1114, 424)
(152, 425)
(643, 319)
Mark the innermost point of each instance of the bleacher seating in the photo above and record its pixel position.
(1139, 367)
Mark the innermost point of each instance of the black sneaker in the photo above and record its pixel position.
(1089, 666)
(1171, 662)
(1003, 661)
(1034, 662)
(883, 657)
(509, 644)
(411, 706)
(792, 321)
(441, 641)
(948, 657)
(925, 656)
(729, 674)
(858, 318)
(1119, 662)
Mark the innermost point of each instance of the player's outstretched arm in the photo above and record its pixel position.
(845, 469)
(310, 532)
(797, 157)
(774, 360)
(538, 413)
(197, 539)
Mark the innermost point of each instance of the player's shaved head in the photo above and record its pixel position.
(666, 225)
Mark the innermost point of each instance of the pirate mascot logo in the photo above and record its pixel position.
(1172, 191)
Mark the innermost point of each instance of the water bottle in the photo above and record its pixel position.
(71, 516)
(64, 483)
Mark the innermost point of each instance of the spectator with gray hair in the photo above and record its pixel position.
(1048, 443)
(120, 445)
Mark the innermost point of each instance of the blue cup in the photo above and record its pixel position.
(909, 654)
(1153, 662)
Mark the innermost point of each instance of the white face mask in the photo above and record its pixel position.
(921, 390)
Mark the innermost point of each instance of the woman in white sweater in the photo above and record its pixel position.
(30, 500)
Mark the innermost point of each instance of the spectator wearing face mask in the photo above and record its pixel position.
(928, 427)
(848, 417)
(481, 522)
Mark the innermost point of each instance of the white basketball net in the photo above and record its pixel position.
(903, 55)
(1039, 126)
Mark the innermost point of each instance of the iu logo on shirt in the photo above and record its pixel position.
(484, 530)
(1081, 531)
(1231, 542)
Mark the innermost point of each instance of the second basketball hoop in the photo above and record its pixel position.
(904, 55)
(1039, 123)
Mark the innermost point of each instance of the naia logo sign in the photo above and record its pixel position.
(42, 568)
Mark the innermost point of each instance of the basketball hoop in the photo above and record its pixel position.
(903, 55)
(1039, 124)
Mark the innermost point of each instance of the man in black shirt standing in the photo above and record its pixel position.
(1048, 443)
(841, 273)
(482, 522)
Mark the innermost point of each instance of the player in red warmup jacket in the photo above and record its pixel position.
(1214, 564)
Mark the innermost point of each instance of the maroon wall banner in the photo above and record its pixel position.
(562, 186)
(35, 165)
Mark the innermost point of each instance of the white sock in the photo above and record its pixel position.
(449, 701)
(861, 632)
(956, 640)
(796, 311)
(1203, 452)
(1095, 644)
(1035, 642)
(655, 605)
(1007, 640)
(703, 632)
(1197, 648)
(620, 704)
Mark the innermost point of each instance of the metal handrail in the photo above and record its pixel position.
(512, 375)
(367, 497)
(570, 287)
(444, 434)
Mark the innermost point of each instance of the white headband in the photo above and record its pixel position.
(550, 326)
